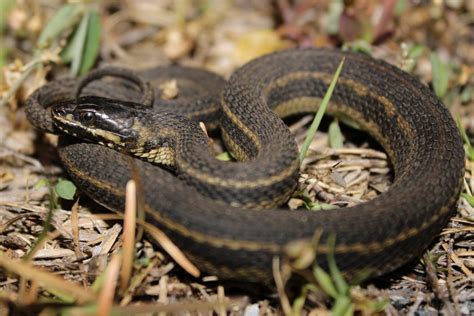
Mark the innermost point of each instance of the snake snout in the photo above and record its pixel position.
(62, 109)
(59, 111)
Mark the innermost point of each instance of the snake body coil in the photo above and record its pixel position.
(415, 129)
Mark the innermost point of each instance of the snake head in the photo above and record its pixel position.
(96, 119)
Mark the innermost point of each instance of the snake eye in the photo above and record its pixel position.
(87, 117)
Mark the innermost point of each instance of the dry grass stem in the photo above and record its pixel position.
(172, 250)
(45, 279)
(107, 292)
(129, 225)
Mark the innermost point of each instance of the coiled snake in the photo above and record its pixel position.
(211, 218)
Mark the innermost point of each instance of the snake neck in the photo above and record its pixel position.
(180, 144)
(164, 136)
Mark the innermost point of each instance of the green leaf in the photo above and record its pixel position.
(466, 94)
(470, 153)
(359, 45)
(325, 282)
(469, 148)
(68, 52)
(415, 51)
(319, 115)
(83, 46)
(79, 41)
(298, 304)
(91, 48)
(90, 309)
(378, 306)
(145, 261)
(440, 75)
(361, 276)
(41, 183)
(331, 22)
(400, 7)
(98, 282)
(319, 206)
(5, 7)
(65, 189)
(468, 198)
(342, 306)
(411, 53)
(3, 56)
(336, 275)
(310, 204)
(346, 120)
(65, 18)
(63, 296)
(335, 135)
(225, 156)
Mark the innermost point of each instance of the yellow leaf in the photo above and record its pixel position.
(257, 43)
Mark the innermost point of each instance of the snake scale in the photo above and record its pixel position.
(211, 214)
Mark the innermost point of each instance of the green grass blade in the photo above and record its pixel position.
(298, 303)
(65, 18)
(79, 43)
(325, 282)
(5, 7)
(67, 53)
(336, 275)
(320, 113)
(440, 74)
(411, 53)
(331, 23)
(336, 138)
(91, 48)
(469, 198)
(342, 307)
(469, 148)
(43, 182)
(319, 206)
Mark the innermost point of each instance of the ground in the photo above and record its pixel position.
(76, 259)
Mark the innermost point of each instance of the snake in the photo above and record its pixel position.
(227, 216)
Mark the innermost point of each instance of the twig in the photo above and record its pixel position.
(44, 57)
(75, 238)
(280, 285)
(19, 82)
(449, 278)
(107, 293)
